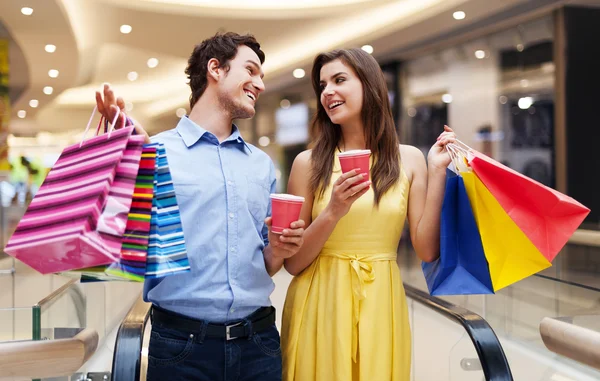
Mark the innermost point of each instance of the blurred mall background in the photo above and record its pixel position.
(516, 79)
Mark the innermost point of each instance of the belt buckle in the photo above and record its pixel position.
(228, 331)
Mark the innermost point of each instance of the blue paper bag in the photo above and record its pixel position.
(462, 268)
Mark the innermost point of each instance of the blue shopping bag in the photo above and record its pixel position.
(167, 254)
(462, 268)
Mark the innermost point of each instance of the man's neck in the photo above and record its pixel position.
(208, 114)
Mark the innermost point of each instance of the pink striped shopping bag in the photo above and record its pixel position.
(79, 214)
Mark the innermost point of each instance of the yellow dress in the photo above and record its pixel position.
(345, 316)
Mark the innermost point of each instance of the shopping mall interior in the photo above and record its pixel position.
(515, 79)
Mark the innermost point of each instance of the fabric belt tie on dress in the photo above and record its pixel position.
(361, 274)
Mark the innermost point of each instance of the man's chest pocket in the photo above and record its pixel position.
(256, 195)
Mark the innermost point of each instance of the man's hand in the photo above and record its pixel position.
(289, 242)
(109, 106)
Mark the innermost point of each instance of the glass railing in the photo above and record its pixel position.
(566, 290)
(451, 343)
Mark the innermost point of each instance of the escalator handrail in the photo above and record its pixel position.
(128, 345)
(491, 355)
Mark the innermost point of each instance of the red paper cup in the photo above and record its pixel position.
(285, 209)
(356, 159)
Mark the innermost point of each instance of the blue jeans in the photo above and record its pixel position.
(179, 355)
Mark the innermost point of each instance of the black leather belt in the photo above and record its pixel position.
(261, 319)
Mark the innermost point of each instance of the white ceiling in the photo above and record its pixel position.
(91, 50)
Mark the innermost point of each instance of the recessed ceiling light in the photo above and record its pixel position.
(126, 29)
(368, 49)
(447, 98)
(22, 114)
(50, 48)
(53, 73)
(525, 102)
(132, 76)
(299, 73)
(459, 15)
(180, 112)
(480, 54)
(152, 63)
(34, 103)
(48, 90)
(264, 141)
(27, 11)
(285, 103)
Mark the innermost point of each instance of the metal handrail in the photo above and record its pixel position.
(127, 356)
(491, 355)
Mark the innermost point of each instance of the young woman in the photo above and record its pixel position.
(345, 316)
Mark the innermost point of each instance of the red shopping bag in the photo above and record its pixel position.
(76, 218)
(547, 217)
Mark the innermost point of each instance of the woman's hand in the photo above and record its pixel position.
(438, 158)
(345, 191)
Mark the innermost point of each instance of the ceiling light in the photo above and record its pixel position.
(50, 48)
(368, 49)
(48, 90)
(34, 103)
(132, 76)
(447, 98)
(520, 47)
(126, 29)
(503, 99)
(152, 63)
(22, 114)
(525, 102)
(264, 141)
(27, 11)
(53, 73)
(299, 73)
(180, 112)
(480, 54)
(459, 15)
(285, 103)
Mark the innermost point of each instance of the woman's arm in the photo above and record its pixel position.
(427, 195)
(318, 231)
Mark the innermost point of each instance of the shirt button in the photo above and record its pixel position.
(232, 310)
(231, 215)
(229, 182)
(232, 249)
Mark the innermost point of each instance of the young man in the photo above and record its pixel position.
(216, 322)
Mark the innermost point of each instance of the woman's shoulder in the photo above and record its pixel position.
(413, 160)
(303, 158)
(410, 151)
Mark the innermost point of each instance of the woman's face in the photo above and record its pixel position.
(341, 92)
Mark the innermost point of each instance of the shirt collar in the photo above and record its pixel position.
(191, 132)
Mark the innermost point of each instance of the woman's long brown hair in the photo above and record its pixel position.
(378, 124)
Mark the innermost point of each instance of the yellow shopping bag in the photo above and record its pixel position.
(510, 254)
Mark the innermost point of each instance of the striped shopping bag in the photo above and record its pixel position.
(167, 254)
(76, 216)
(132, 261)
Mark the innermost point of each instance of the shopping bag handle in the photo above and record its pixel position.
(89, 124)
(87, 128)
